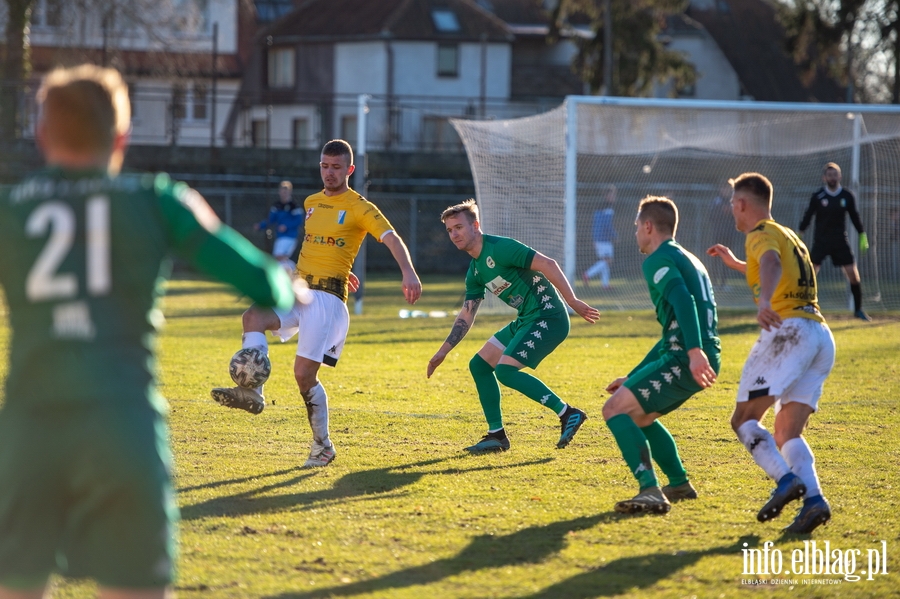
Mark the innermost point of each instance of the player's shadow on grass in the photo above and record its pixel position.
(533, 546)
(639, 572)
(529, 546)
(234, 481)
(364, 485)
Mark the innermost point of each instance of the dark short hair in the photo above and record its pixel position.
(338, 147)
(469, 208)
(661, 211)
(756, 185)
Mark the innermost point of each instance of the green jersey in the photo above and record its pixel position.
(82, 259)
(504, 269)
(688, 319)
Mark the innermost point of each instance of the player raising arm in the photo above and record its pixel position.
(790, 361)
(531, 283)
(85, 464)
(337, 221)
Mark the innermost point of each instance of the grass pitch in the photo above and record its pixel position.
(403, 512)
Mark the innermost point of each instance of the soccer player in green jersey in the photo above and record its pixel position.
(85, 464)
(531, 283)
(684, 361)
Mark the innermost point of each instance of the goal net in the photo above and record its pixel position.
(543, 179)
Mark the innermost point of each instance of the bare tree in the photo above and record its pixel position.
(16, 66)
(855, 41)
(640, 57)
(102, 31)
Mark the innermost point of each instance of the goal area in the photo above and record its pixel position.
(541, 179)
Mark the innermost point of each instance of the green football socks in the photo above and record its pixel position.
(529, 386)
(635, 449)
(488, 391)
(665, 453)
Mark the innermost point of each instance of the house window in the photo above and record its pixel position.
(445, 20)
(281, 67)
(179, 106)
(190, 103)
(199, 101)
(270, 10)
(259, 134)
(191, 16)
(300, 133)
(47, 13)
(348, 129)
(448, 60)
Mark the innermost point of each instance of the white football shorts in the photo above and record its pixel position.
(790, 363)
(284, 246)
(322, 326)
(604, 249)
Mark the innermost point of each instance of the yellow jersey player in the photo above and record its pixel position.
(790, 361)
(337, 221)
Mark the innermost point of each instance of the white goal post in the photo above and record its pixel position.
(540, 179)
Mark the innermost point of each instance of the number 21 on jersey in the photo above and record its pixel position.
(45, 281)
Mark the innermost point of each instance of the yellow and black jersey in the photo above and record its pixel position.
(795, 294)
(335, 228)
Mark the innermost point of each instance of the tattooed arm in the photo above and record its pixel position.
(463, 323)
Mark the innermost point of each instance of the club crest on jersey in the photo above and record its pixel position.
(490, 262)
(309, 212)
(843, 203)
(342, 214)
(824, 202)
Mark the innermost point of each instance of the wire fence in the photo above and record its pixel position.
(200, 112)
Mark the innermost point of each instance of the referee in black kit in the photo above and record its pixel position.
(829, 205)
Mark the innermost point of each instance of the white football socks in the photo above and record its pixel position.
(254, 339)
(799, 457)
(761, 445)
(317, 410)
(258, 340)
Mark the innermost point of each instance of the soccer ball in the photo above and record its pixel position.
(250, 368)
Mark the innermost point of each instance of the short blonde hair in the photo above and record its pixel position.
(469, 208)
(84, 108)
(756, 185)
(661, 211)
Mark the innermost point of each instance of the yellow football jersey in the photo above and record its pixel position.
(795, 294)
(335, 228)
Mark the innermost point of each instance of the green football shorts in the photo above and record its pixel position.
(85, 491)
(530, 341)
(666, 383)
